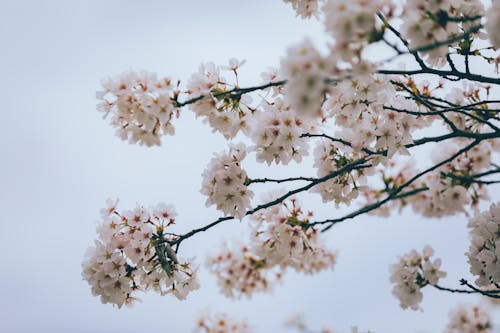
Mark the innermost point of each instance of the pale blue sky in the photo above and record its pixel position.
(60, 161)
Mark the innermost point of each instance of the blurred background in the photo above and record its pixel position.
(59, 161)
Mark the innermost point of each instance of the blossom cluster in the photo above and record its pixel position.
(412, 272)
(428, 22)
(493, 24)
(221, 323)
(353, 24)
(364, 108)
(469, 319)
(276, 133)
(282, 236)
(448, 190)
(452, 187)
(306, 72)
(280, 239)
(142, 106)
(240, 272)
(484, 250)
(224, 111)
(225, 182)
(328, 158)
(132, 254)
(305, 8)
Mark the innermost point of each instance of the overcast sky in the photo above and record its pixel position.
(60, 161)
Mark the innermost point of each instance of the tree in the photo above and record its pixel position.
(365, 118)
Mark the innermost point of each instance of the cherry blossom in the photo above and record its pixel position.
(224, 112)
(142, 106)
(306, 72)
(224, 182)
(469, 319)
(484, 250)
(240, 272)
(352, 24)
(276, 133)
(132, 254)
(305, 8)
(281, 236)
(221, 323)
(428, 22)
(412, 272)
(493, 24)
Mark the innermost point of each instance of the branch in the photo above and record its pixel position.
(233, 92)
(442, 73)
(488, 293)
(358, 164)
(283, 180)
(459, 291)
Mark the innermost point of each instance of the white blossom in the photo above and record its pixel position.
(484, 249)
(493, 24)
(224, 182)
(426, 23)
(240, 272)
(305, 8)
(352, 24)
(469, 319)
(276, 133)
(306, 72)
(126, 257)
(225, 112)
(344, 188)
(140, 105)
(412, 272)
(221, 323)
(450, 187)
(282, 237)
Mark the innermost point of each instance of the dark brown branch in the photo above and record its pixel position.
(358, 164)
(282, 180)
(233, 92)
(451, 290)
(488, 293)
(442, 73)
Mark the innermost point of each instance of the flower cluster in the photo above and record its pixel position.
(297, 321)
(282, 236)
(305, 8)
(429, 22)
(225, 111)
(449, 190)
(412, 272)
(132, 254)
(242, 273)
(469, 319)
(493, 24)
(221, 323)
(484, 250)
(328, 158)
(306, 72)
(141, 106)
(452, 187)
(224, 182)
(363, 109)
(280, 239)
(276, 133)
(352, 24)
